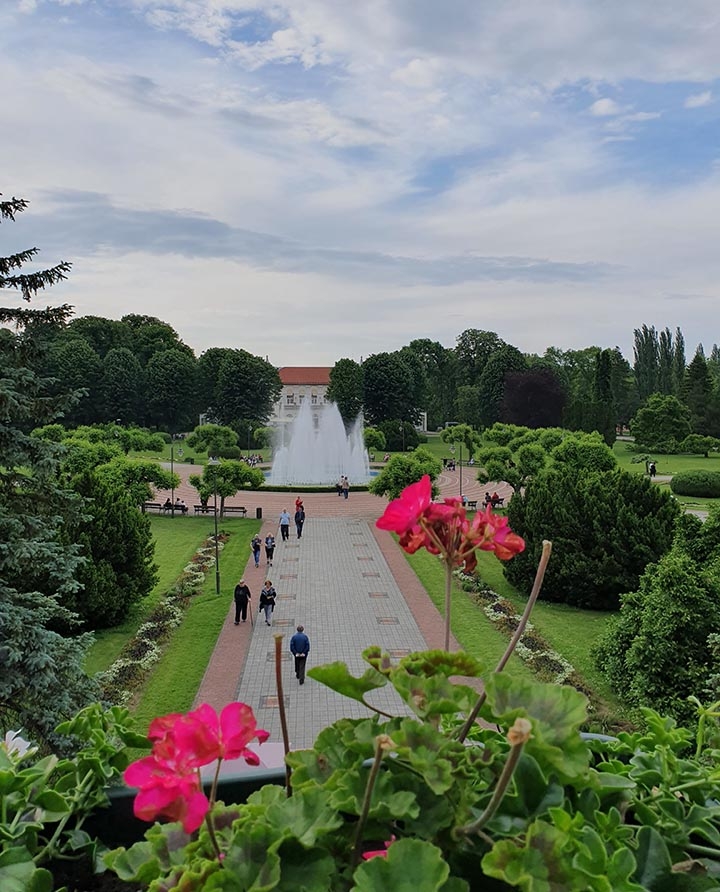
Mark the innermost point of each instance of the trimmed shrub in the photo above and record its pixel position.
(232, 452)
(696, 483)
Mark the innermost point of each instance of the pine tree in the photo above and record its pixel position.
(42, 679)
(696, 391)
(646, 361)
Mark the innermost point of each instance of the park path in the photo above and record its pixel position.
(349, 584)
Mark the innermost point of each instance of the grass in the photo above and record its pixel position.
(475, 632)
(174, 682)
(199, 458)
(175, 542)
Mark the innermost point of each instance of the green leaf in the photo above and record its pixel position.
(18, 873)
(253, 859)
(433, 696)
(337, 677)
(556, 712)
(331, 752)
(431, 663)
(53, 804)
(386, 802)
(307, 815)
(409, 866)
(306, 871)
(540, 865)
(652, 857)
(138, 864)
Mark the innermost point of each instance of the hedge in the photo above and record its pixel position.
(696, 483)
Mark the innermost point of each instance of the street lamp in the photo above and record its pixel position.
(172, 474)
(215, 461)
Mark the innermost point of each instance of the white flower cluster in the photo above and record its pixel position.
(531, 648)
(125, 670)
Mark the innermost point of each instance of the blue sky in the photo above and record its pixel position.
(322, 178)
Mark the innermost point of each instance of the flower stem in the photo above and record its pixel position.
(208, 815)
(448, 601)
(498, 793)
(281, 707)
(537, 585)
(379, 752)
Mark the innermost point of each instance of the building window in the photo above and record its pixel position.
(302, 398)
(290, 399)
(314, 399)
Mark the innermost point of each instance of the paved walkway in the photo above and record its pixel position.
(349, 585)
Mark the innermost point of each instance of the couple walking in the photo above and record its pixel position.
(243, 597)
(256, 545)
(299, 521)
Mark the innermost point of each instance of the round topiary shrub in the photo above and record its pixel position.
(696, 483)
(232, 452)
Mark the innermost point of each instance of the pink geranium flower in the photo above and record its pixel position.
(168, 778)
(402, 514)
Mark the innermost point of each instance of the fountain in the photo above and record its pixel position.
(320, 455)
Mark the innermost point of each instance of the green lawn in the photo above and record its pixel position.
(475, 632)
(174, 682)
(199, 458)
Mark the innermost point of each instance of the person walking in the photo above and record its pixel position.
(300, 648)
(345, 487)
(284, 525)
(255, 547)
(299, 520)
(242, 597)
(267, 601)
(269, 549)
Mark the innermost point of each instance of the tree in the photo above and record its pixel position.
(171, 377)
(374, 439)
(468, 409)
(514, 466)
(697, 387)
(151, 336)
(103, 335)
(440, 368)
(604, 419)
(661, 424)
(247, 387)
(122, 387)
(137, 477)
(226, 479)
(346, 389)
(43, 678)
(118, 544)
(263, 437)
(473, 350)
(388, 389)
(606, 526)
(646, 361)
(491, 385)
(698, 445)
(462, 433)
(535, 398)
(656, 651)
(400, 436)
(211, 438)
(402, 470)
(76, 366)
(678, 362)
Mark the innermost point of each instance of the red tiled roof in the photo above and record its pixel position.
(299, 374)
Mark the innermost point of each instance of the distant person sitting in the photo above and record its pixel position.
(180, 506)
(494, 500)
(167, 506)
(488, 498)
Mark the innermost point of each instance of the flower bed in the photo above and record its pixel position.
(144, 649)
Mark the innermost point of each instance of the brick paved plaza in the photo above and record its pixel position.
(348, 584)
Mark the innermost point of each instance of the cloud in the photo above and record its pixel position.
(698, 100)
(602, 108)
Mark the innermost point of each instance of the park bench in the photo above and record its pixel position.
(204, 509)
(152, 506)
(472, 505)
(242, 511)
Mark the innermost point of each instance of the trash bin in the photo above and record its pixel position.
(258, 513)
(192, 461)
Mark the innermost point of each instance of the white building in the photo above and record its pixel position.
(300, 383)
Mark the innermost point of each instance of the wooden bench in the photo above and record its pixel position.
(152, 506)
(242, 511)
(204, 509)
(472, 505)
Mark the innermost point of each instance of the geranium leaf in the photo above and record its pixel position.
(337, 677)
(306, 815)
(652, 857)
(386, 803)
(306, 871)
(536, 866)
(138, 864)
(556, 712)
(430, 663)
(410, 865)
(433, 696)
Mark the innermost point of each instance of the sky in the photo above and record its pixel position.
(318, 179)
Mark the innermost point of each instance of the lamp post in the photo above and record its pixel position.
(172, 474)
(215, 461)
(402, 431)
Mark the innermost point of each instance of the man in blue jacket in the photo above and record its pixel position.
(300, 648)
